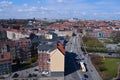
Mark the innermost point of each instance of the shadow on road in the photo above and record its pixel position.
(71, 64)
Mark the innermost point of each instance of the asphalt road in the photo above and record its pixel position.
(72, 58)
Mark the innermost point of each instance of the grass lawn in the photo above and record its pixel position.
(108, 41)
(93, 44)
(111, 64)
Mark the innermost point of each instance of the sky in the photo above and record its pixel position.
(60, 9)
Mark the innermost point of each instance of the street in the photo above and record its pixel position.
(72, 62)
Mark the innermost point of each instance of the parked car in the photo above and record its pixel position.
(15, 75)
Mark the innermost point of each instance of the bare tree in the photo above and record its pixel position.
(116, 36)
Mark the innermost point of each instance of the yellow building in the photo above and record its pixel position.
(56, 61)
(64, 33)
(51, 58)
(48, 36)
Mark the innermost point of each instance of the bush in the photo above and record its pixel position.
(102, 68)
(82, 49)
(25, 65)
(34, 59)
(92, 49)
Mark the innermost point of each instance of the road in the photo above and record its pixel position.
(72, 58)
(72, 67)
(23, 74)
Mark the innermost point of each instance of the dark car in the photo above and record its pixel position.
(109, 53)
(85, 75)
(34, 75)
(36, 70)
(15, 75)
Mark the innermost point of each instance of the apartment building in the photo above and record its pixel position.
(5, 61)
(51, 58)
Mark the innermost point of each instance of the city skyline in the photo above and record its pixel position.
(60, 9)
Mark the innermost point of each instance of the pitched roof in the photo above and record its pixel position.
(61, 47)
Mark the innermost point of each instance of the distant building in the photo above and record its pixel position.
(48, 36)
(3, 35)
(64, 32)
(99, 32)
(15, 35)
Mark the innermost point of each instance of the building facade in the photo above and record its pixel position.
(5, 61)
(23, 49)
(52, 60)
(43, 61)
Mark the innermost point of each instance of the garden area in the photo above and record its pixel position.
(107, 67)
(109, 41)
(92, 44)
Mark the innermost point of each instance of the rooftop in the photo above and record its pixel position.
(47, 46)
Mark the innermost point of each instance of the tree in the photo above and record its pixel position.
(116, 36)
(32, 36)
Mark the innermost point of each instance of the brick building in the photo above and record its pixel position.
(23, 49)
(43, 60)
(51, 58)
(5, 61)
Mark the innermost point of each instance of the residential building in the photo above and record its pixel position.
(14, 34)
(23, 49)
(51, 58)
(100, 32)
(43, 61)
(64, 32)
(5, 61)
(3, 35)
(48, 36)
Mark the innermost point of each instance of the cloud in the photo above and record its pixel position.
(95, 14)
(60, 1)
(60, 9)
(44, 8)
(5, 3)
(25, 5)
(31, 9)
(0, 10)
(83, 13)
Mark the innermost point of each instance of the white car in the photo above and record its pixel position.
(45, 72)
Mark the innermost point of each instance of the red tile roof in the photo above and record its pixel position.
(61, 48)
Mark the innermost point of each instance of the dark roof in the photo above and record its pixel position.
(47, 46)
